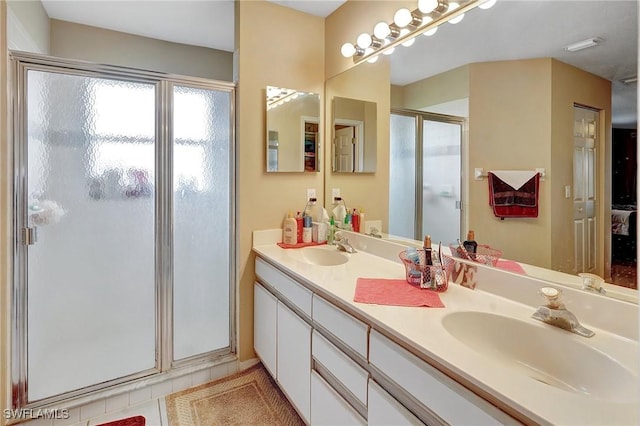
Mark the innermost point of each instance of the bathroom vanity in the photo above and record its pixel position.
(481, 359)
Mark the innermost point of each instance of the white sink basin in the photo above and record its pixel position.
(322, 256)
(551, 356)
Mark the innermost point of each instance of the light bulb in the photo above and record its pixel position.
(487, 4)
(381, 30)
(431, 32)
(457, 19)
(373, 59)
(348, 50)
(402, 18)
(389, 51)
(427, 6)
(409, 42)
(453, 6)
(364, 40)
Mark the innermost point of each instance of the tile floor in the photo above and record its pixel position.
(147, 401)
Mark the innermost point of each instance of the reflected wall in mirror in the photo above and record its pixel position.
(293, 121)
(354, 136)
(518, 90)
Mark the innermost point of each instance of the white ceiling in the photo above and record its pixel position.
(512, 29)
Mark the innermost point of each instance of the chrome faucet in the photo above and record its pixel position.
(556, 314)
(343, 243)
(374, 232)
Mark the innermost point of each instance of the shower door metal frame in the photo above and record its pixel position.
(420, 116)
(21, 63)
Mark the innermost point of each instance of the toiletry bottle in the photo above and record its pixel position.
(290, 230)
(347, 223)
(306, 229)
(361, 220)
(470, 244)
(355, 221)
(300, 225)
(414, 258)
(427, 250)
(331, 234)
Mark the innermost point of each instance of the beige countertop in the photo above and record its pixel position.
(421, 331)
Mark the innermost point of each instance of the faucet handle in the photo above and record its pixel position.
(553, 296)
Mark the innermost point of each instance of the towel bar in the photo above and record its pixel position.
(480, 174)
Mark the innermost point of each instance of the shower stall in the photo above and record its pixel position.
(124, 225)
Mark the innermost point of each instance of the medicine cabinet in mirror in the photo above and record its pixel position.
(292, 137)
(354, 136)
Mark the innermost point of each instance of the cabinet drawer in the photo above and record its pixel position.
(385, 410)
(449, 400)
(349, 330)
(295, 293)
(343, 368)
(328, 407)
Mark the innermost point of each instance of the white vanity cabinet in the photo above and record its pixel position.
(282, 333)
(328, 407)
(265, 309)
(294, 359)
(385, 410)
(441, 399)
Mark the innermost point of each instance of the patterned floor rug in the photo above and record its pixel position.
(247, 398)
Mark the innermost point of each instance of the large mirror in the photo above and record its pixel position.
(354, 136)
(520, 47)
(292, 139)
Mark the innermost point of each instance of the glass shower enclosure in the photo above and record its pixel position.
(124, 224)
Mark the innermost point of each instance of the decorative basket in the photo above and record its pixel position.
(432, 277)
(484, 254)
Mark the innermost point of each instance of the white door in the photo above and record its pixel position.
(585, 142)
(344, 148)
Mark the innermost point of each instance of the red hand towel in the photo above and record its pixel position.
(507, 201)
(398, 292)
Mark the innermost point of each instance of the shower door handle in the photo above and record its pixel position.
(29, 236)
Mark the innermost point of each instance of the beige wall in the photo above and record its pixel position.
(272, 39)
(445, 87)
(71, 40)
(362, 190)
(571, 85)
(521, 117)
(27, 26)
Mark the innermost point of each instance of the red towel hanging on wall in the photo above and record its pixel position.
(513, 199)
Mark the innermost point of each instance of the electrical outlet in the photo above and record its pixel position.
(335, 192)
(311, 193)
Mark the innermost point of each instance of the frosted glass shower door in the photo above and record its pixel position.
(402, 176)
(202, 165)
(441, 160)
(90, 146)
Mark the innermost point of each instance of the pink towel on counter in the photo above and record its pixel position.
(395, 292)
(511, 266)
(300, 245)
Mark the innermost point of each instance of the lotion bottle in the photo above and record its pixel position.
(290, 230)
(427, 250)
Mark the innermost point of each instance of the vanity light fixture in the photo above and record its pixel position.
(407, 25)
(583, 44)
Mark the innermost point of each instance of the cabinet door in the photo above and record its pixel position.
(328, 407)
(383, 409)
(264, 326)
(294, 359)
